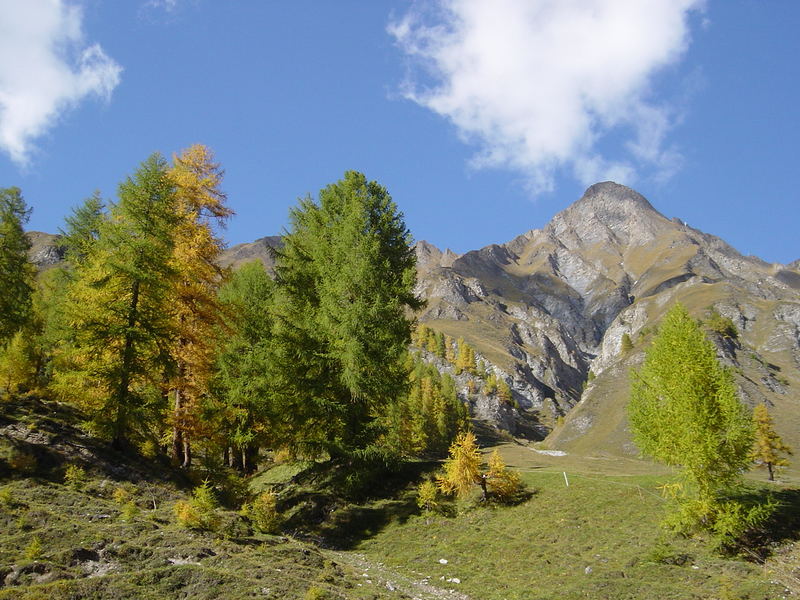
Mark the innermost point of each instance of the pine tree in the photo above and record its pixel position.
(684, 412)
(241, 385)
(16, 272)
(200, 211)
(626, 344)
(768, 445)
(119, 308)
(449, 353)
(345, 280)
(504, 392)
(462, 469)
(503, 484)
(83, 229)
(441, 349)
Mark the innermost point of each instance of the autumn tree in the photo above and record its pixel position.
(684, 412)
(200, 212)
(345, 279)
(768, 445)
(503, 484)
(462, 469)
(16, 272)
(119, 309)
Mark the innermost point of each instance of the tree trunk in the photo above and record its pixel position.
(769, 470)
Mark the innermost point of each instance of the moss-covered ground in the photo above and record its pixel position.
(598, 537)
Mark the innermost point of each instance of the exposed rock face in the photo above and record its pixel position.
(554, 303)
(259, 250)
(45, 250)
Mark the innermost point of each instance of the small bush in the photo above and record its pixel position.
(7, 500)
(504, 485)
(316, 593)
(34, 549)
(129, 511)
(75, 477)
(263, 512)
(200, 512)
(723, 326)
(427, 494)
(122, 495)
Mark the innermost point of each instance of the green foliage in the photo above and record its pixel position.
(34, 550)
(626, 345)
(684, 411)
(263, 512)
(16, 273)
(345, 278)
(7, 498)
(723, 326)
(427, 419)
(82, 229)
(118, 307)
(75, 476)
(427, 495)
(316, 593)
(244, 408)
(200, 512)
(129, 511)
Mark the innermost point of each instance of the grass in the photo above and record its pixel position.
(596, 538)
(109, 531)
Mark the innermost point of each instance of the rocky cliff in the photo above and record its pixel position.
(553, 305)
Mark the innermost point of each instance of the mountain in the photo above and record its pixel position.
(552, 305)
(548, 310)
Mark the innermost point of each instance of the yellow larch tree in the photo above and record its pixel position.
(201, 209)
(768, 445)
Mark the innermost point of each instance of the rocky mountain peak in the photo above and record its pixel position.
(608, 213)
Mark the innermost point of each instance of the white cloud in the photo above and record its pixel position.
(539, 84)
(46, 68)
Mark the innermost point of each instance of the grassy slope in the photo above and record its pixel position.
(597, 538)
(90, 550)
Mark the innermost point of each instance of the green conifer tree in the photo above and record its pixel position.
(118, 306)
(684, 411)
(345, 280)
(16, 272)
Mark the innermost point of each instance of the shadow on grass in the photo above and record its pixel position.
(353, 524)
(782, 526)
(323, 506)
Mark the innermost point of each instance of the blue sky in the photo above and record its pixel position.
(482, 118)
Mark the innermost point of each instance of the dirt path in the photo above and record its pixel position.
(378, 573)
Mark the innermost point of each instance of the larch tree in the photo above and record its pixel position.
(684, 412)
(769, 450)
(16, 272)
(200, 211)
(462, 469)
(345, 278)
(241, 385)
(120, 312)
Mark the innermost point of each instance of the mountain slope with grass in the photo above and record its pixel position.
(563, 312)
(80, 520)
